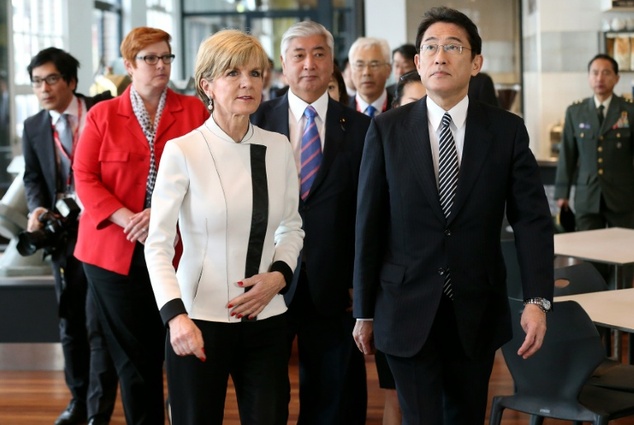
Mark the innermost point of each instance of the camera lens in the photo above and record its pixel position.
(29, 242)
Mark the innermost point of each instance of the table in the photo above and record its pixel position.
(613, 246)
(612, 309)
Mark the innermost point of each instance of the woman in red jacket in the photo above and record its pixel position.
(115, 168)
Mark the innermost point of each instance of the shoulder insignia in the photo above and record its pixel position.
(576, 102)
(628, 99)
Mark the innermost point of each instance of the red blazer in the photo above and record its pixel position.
(111, 167)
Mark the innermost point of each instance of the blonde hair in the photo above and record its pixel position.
(138, 39)
(226, 49)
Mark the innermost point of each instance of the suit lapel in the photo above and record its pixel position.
(277, 120)
(418, 150)
(335, 136)
(46, 151)
(172, 105)
(477, 143)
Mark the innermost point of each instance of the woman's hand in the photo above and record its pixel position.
(186, 338)
(264, 287)
(137, 227)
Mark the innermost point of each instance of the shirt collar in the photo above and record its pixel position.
(378, 104)
(297, 105)
(605, 103)
(70, 110)
(458, 113)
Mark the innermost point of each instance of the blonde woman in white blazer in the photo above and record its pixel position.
(232, 190)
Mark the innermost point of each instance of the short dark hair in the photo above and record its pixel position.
(343, 93)
(65, 63)
(615, 64)
(408, 51)
(405, 79)
(450, 16)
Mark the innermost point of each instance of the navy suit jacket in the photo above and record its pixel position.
(328, 213)
(404, 244)
(38, 148)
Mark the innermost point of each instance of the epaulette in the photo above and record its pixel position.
(576, 102)
(628, 100)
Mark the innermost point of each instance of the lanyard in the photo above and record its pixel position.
(60, 146)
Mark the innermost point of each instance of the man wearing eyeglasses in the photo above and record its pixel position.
(48, 146)
(429, 280)
(332, 381)
(370, 61)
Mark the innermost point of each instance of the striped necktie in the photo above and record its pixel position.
(447, 180)
(310, 156)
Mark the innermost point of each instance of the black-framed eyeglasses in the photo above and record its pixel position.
(51, 80)
(432, 49)
(410, 75)
(153, 59)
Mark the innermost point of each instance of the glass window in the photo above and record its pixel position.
(106, 36)
(190, 6)
(196, 29)
(37, 24)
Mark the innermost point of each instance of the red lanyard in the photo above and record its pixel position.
(58, 142)
(60, 147)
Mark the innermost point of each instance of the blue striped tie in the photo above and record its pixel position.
(310, 153)
(447, 180)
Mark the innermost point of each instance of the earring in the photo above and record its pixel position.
(210, 105)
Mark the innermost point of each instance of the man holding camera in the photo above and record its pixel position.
(48, 144)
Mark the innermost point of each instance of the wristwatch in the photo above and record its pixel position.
(542, 303)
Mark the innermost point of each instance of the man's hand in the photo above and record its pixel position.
(533, 322)
(562, 203)
(363, 334)
(186, 338)
(34, 221)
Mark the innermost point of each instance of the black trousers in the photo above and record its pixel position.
(88, 369)
(332, 376)
(252, 353)
(440, 385)
(135, 337)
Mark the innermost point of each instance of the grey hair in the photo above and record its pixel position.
(305, 29)
(365, 42)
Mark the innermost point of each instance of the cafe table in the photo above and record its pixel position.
(611, 309)
(613, 246)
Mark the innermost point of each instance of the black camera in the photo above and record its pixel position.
(54, 234)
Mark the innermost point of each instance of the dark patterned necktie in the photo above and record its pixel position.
(447, 179)
(310, 156)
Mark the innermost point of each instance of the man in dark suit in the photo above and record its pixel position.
(429, 278)
(370, 62)
(332, 371)
(48, 144)
(597, 153)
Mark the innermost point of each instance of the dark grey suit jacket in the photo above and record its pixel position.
(38, 148)
(405, 245)
(328, 213)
